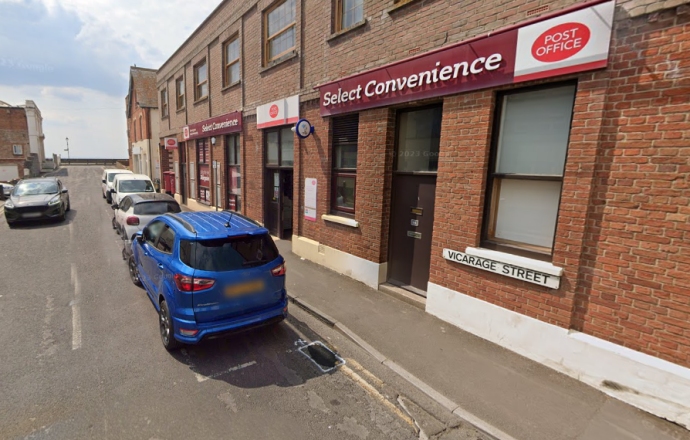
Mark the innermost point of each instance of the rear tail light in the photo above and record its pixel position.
(133, 220)
(191, 284)
(279, 271)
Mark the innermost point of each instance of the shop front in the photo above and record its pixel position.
(205, 171)
(276, 120)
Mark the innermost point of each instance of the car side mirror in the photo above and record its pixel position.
(114, 207)
(144, 233)
(113, 190)
(139, 237)
(64, 190)
(103, 181)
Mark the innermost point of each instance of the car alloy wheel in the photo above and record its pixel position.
(134, 272)
(166, 328)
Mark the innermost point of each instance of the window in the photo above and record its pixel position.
(231, 61)
(153, 231)
(234, 161)
(179, 91)
(166, 241)
(280, 147)
(203, 158)
(125, 204)
(156, 208)
(348, 13)
(419, 137)
(192, 180)
(200, 81)
(164, 102)
(17, 150)
(141, 128)
(279, 29)
(227, 254)
(526, 171)
(345, 132)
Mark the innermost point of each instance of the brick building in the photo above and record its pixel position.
(522, 167)
(142, 122)
(14, 143)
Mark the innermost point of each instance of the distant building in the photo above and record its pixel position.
(143, 122)
(14, 143)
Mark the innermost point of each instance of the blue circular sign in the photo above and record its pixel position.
(303, 128)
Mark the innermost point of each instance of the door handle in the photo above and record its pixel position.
(160, 266)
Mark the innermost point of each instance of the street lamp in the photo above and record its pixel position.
(67, 149)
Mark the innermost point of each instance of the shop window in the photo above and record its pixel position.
(192, 180)
(234, 164)
(200, 81)
(419, 137)
(526, 170)
(280, 147)
(179, 92)
(164, 103)
(279, 30)
(348, 13)
(203, 160)
(231, 61)
(345, 131)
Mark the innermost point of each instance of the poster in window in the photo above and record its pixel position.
(310, 199)
(204, 175)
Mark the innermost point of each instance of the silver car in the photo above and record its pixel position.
(136, 210)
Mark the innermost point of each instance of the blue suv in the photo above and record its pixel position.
(208, 274)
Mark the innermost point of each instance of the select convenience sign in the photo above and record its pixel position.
(228, 123)
(521, 273)
(574, 42)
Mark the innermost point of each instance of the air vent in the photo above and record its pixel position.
(538, 10)
(414, 51)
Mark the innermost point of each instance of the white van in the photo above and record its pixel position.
(107, 181)
(126, 184)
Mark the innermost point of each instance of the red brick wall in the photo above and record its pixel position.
(252, 169)
(13, 131)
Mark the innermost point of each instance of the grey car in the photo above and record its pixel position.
(37, 199)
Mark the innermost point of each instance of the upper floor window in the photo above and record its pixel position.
(164, 102)
(141, 128)
(348, 13)
(179, 92)
(17, 150)
(231, 62)
(279, 28)
(526, 170)
(200, 81)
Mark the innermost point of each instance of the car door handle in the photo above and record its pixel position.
(160, 266)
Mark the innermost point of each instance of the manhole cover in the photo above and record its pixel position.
(322, 356)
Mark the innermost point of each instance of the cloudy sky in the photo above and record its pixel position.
(72, 58)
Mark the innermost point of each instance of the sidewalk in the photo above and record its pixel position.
(512, 394)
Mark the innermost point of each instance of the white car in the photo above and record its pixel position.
(137, 210)
(126, 184)
(107, 181)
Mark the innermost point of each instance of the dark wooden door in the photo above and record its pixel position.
(272, 198)
(412, 223)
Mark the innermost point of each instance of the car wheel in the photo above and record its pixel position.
(11, 225)
(69, 206)
(62, 216)
(108, 198)
(114, 225)
(166, 328)
(133, 270)
(103, 194)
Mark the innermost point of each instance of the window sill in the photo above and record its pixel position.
(342, 32)
(515, 260)
(231, 86)
(163, 118)
(287, 57)
(200, 100)
(399, 6)
(181, 109)
(340, 220)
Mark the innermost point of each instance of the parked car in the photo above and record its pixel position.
(37, 199)
(5, 189)
(136, 210)
(107, 181)
(126, 184)
(208, 274)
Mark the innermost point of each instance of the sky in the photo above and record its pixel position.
(72, 58)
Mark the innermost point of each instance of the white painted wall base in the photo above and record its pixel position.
(370, 273)
(649, 383)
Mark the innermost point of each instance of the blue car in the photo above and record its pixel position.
(208, 274)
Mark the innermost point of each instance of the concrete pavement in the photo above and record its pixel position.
(509, 395)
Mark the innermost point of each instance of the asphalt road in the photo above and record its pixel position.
(82, 358)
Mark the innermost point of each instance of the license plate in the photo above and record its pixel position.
(31, 214)
(244, 288)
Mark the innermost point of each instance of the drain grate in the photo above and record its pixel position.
(322, 356)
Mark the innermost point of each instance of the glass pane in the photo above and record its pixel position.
(204, 89)
(419, 136)
(232, 51)
(346, 156)
(527, 211)
(280, 17)
(234, 74)
(534, 132)
(287, 145)
(201, 73)
(272, 148)
(345, 192)
(282, 43)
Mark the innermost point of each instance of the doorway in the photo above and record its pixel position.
(418, 135)
(278, 183)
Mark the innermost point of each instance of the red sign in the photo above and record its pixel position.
(230, 123)
(273, 111)
(569, 43)
(170, 143)
(204, 175)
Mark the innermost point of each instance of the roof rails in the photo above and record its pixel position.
(182, 221)
(237, 214)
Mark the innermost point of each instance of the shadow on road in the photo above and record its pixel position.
(62, 172)
(43, 224)
(257, 358)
